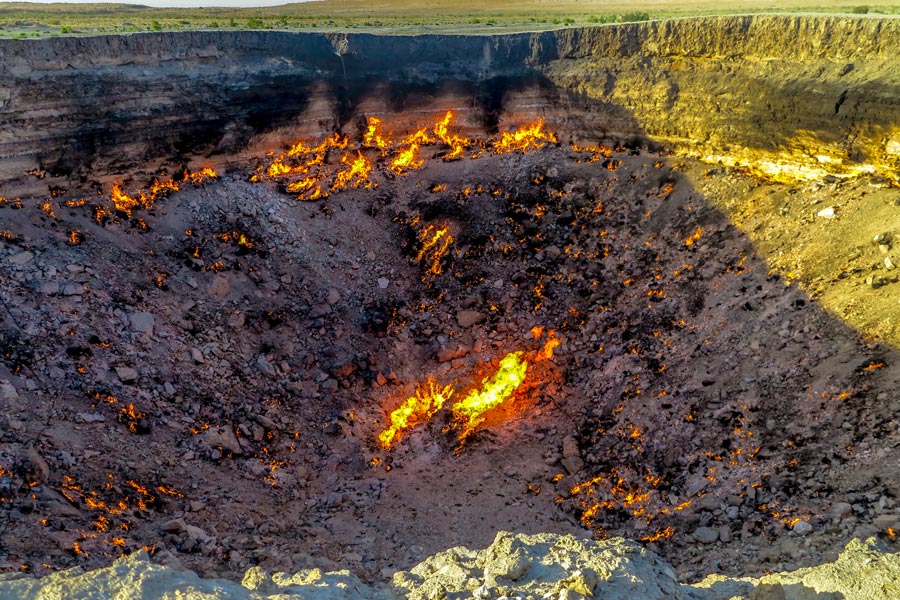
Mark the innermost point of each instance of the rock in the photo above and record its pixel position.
(725, 535)
(219, 287)
(21, 258)
(224, 438)
(451, 351)
(383, 283)
(706, 535)
(141, 322)
(768, 591)
(197, 356)
(265, 367)
(51, 288)
(34, 467)
(319, 311)
(8, 390)
(889, 264)
(333, 297)
(570, 447)
(572, 464)
(552, 252)
(884, 248)
(826, 213)
(802, 528)
(85, 417)
(126, 374)
(467, 318)
(73, 289)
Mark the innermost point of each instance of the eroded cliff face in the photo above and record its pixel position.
(789, 96)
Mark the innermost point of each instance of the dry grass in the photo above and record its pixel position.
(18, 19)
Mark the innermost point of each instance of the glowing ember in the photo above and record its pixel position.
(417, 409)
(694, 238)
(525, 138)
(435, 242)
(469, 412)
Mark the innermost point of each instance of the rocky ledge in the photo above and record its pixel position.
(515, 566)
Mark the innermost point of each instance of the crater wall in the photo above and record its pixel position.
(801, 96)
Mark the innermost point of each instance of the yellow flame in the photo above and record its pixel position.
(373, 137)
(407, 159)
(357, 171)
(470, 411)
(122, 201)
(202, 175)
(525, 138)
(457, 144)
(417, 409)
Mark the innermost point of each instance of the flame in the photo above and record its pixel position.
(373, 137)
(357, 171)
(546, 352)
(164, 187)
(470, 411)
(435, 242)
(456, 143)
(122, 201)
(201, 176)
(418, 408)
(406, 160)
(695, 237)
(525, 138)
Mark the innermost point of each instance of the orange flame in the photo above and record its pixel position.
(470, 411)
(198, 177)
(435, 242)
(694, 238)
(525, 138)
(456, 143)
(406, 160)
(373, 137)
(417, 409)
(357, 171)
(122, 201)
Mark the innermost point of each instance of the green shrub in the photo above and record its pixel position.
(860, 10)
(155, 26)
(254, 23)
(633, 17)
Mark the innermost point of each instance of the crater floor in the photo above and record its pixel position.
(207, 379)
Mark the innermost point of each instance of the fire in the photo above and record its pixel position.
(373, 137)
(435, 242)
(418, 408)
(456, 143)
(198, 177)
(527, 137)
(164, 187)
(694, 238)
(357, 171)
(552, 342)
(122, 201)
(470, 411)
(406, 160)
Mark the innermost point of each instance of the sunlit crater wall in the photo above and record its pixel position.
(791, 96)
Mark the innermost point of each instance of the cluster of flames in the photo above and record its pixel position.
(469, 412)
(308, 171)
(158, 189)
